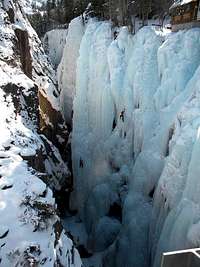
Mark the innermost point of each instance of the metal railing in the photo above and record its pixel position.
(182, 258)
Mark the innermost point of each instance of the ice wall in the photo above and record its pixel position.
(175, 216)
(54, 43)
(134, 142)
(67, 67)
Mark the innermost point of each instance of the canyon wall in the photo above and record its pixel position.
(31, 233)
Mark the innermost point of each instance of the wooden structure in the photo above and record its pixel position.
(182, 258)
(185, 14)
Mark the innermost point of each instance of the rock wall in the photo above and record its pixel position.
(30, 229)
(24, 51)
(52, 124)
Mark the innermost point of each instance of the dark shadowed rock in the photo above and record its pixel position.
(24, 51)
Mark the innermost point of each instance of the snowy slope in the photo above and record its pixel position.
(41, 67)
(30, 230)
(135, 140)
(30, 6)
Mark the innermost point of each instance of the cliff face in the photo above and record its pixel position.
(135, 140)
(30, 230)
(39, 100)
(24, 51)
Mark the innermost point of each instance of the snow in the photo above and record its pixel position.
(17, 185)
(28, 225)
(31, 6)
(43, 73)
(135, 125)
(181, 2)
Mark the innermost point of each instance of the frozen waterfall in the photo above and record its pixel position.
(135, 139)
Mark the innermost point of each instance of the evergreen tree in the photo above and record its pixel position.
(48, 8)
(80, 7)
(121, 12)
(68, 10)
(99, 8)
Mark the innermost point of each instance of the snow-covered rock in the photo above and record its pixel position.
(30, 6)
(35, 65)
(135, 138)
(30, 230)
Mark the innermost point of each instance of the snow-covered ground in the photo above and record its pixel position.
(135, 140)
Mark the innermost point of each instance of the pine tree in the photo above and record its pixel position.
(80, 7)
(48, 8)
(69, 10)
(53, 4)
(99, 8)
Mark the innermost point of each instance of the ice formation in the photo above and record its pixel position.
(54, 42)
(135, 140)
(67, 68)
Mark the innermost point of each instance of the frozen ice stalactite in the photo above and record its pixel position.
(67, 68)
(175, 209)
(114, 83)
(93, 110)
(181, 226)
(136, 116)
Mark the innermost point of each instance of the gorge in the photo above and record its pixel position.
(112, 135)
